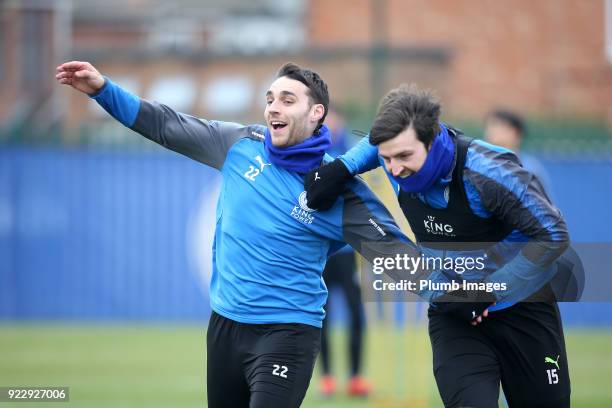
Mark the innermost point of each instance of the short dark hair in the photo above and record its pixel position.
(317, 88)
(404, 107)
(510, 118)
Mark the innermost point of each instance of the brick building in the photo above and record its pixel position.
(214, 59)
(34, 34)
(544, 57)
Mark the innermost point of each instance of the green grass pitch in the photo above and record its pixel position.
(164, 366)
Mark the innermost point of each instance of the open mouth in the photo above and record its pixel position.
(277, 124)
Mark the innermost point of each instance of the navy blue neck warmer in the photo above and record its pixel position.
(437, 165)
(302, 157)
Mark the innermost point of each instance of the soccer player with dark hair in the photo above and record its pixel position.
(270, 248)
(460, 195)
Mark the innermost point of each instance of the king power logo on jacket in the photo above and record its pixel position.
(438, 228)
(302, 212)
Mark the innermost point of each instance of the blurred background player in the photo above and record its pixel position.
(341, 272)
(507, 129)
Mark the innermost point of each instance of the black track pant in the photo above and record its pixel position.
(522, 347)
(340, 271)
(259, 365)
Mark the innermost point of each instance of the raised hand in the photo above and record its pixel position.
(80, 75)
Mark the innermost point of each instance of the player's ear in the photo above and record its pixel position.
(316, 112)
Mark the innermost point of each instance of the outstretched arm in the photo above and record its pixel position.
(361, 158)
(206, 141)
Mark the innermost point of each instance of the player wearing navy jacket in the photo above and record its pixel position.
(463, 196)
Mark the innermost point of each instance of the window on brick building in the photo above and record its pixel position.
(608, 28)
(178, 92)
(3, 48)
(33, 44)
(229, 95)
